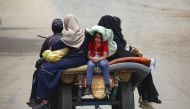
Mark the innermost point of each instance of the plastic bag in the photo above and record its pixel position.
(136, 52)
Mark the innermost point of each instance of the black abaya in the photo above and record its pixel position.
(147, 88)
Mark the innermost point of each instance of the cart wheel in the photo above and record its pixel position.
(65, 97)
(125, 97)
(53, 102)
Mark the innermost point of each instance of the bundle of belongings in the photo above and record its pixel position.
(136, 52)
(56, 55)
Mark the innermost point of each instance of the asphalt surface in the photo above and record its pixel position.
(160, 29)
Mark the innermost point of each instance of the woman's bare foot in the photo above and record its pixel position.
(45, 101)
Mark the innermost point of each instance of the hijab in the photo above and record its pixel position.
(73, 34)
(109, 22)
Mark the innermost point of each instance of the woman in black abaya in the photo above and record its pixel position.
(147, 88)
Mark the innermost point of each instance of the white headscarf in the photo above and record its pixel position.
(73, 34)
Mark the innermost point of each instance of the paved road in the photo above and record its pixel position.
(159, 28)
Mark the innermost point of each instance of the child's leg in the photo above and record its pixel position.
(105, 69)
(90, 70)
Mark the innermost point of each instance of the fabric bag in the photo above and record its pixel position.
(56, 55)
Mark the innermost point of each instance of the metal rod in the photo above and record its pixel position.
(41, 36)
(91, 102)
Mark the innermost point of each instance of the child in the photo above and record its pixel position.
(97, 53)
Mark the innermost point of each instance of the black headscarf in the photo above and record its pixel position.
(109, 22)
(57, 25)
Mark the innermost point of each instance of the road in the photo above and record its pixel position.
(159, 28)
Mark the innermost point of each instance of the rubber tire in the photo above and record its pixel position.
(65, 97)
(125, 97)
(53, 102)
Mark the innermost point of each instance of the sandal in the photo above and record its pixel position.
(33, 102)
(41, 106)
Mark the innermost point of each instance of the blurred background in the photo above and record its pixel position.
(159, 28)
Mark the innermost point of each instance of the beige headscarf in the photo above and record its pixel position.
(73, 34)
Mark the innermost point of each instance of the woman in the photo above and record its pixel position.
(147, 89)
(49, 74)
(57, 27)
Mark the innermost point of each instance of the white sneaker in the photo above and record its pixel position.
(140, 99)
(152, 64)
(146, 105)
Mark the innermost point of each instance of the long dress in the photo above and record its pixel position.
(49, 74)
(49, 41)
(147, 88)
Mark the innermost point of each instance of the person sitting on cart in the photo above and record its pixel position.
(147, 90)
(49, 74)
(97, 54)
(57, 27)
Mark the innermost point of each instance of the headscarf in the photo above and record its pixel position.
(57, 26)
(73, 34)
(109, 22)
